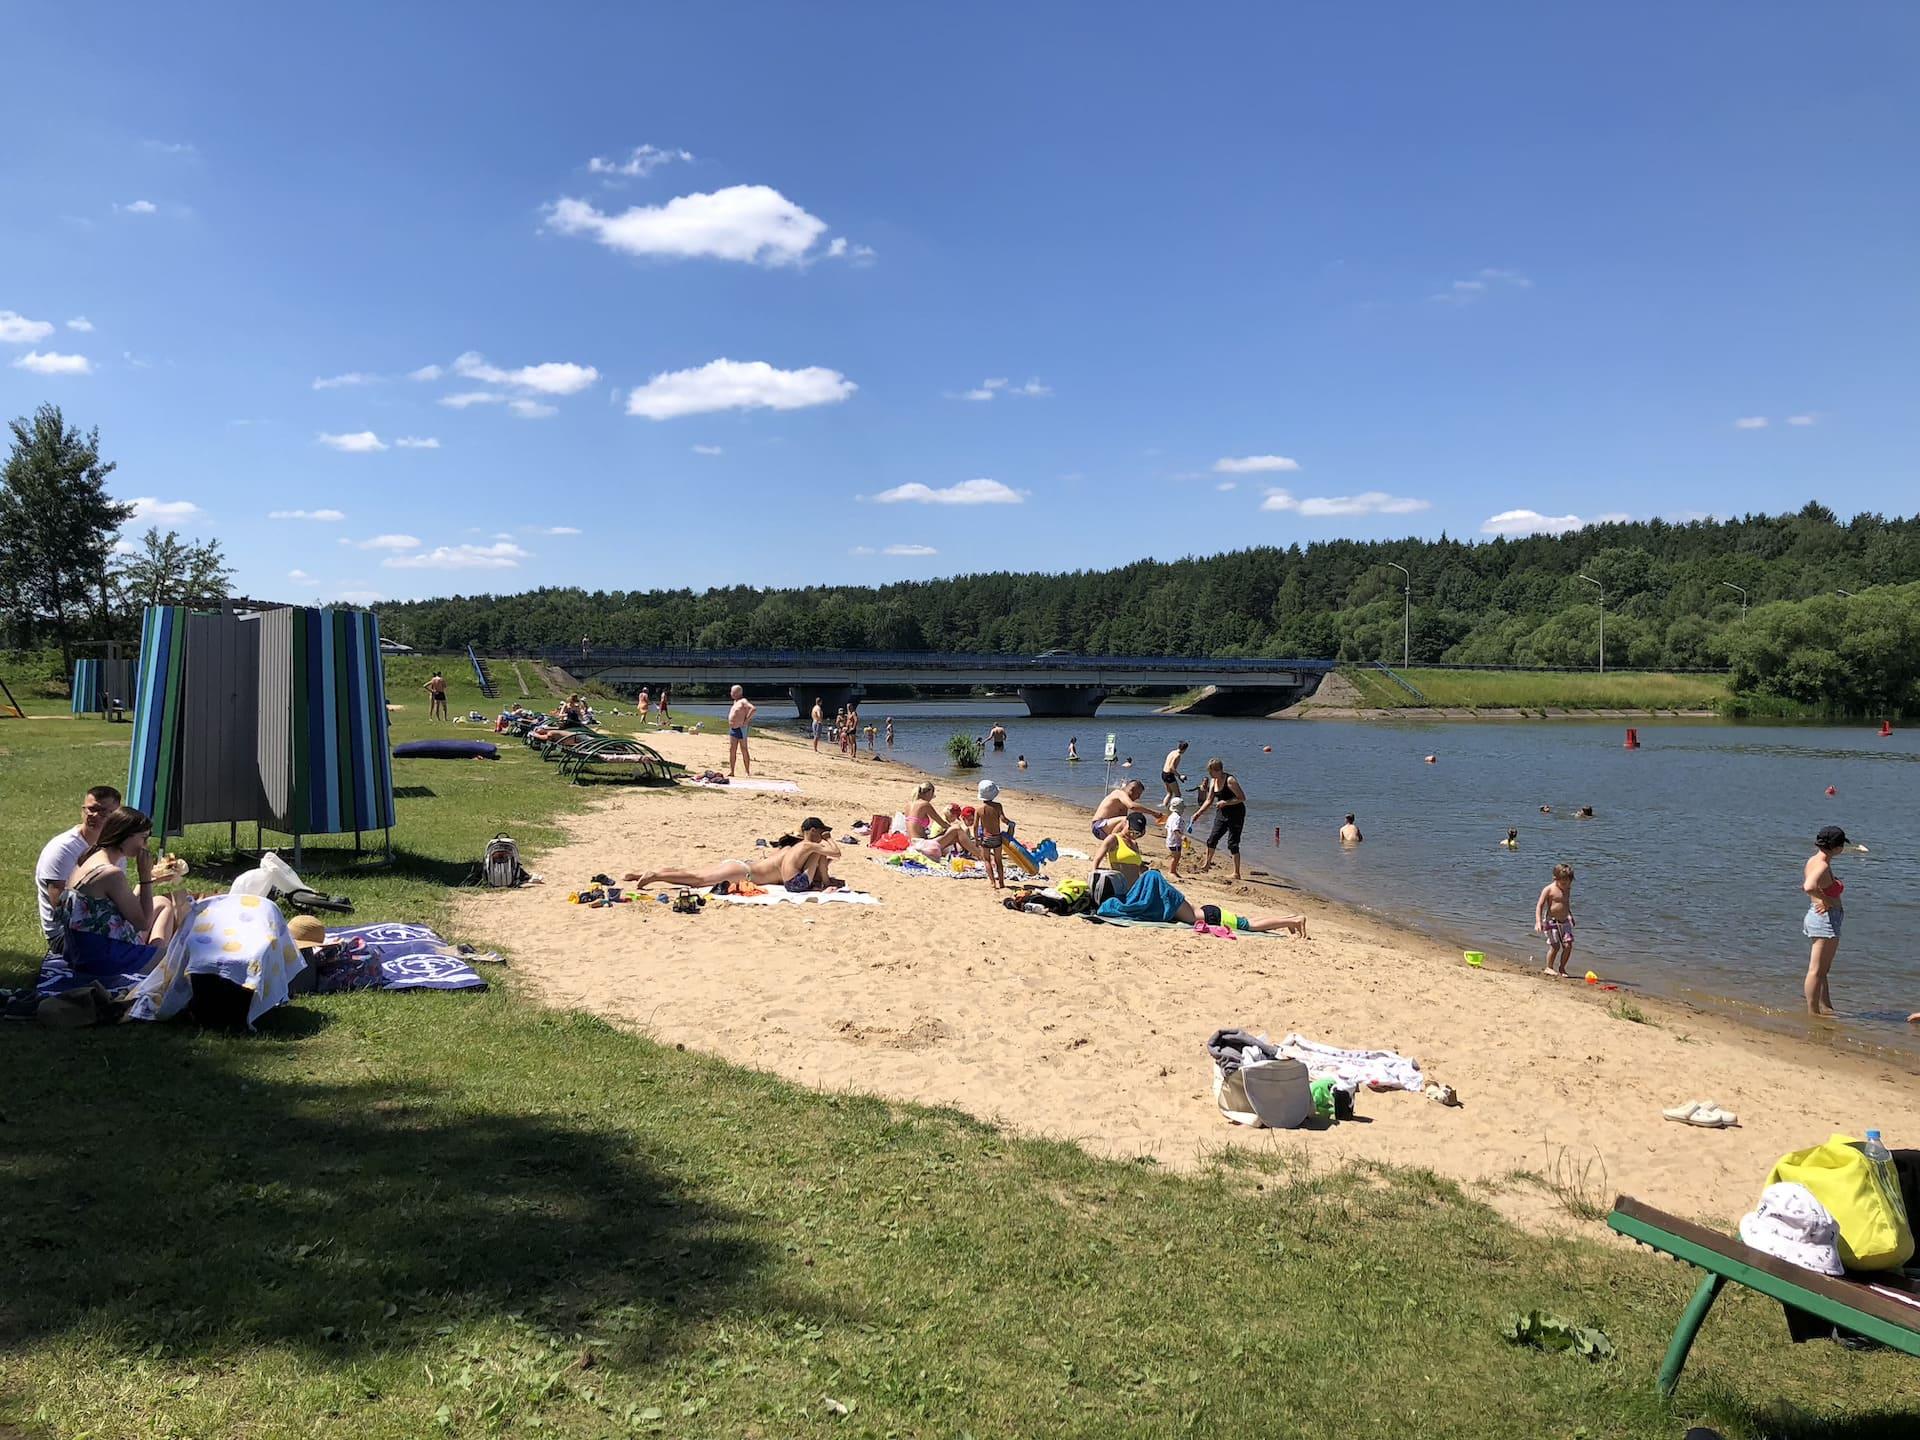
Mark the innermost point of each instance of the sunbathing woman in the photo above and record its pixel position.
(799, 867)
(1120, 853)
(924, 822)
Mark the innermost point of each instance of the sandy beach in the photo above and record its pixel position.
(1095, 1034)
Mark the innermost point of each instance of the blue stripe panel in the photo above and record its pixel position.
(156, 640)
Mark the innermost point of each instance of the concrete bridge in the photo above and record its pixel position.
(1059, 685)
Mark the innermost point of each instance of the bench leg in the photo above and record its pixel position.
(1690, 1320)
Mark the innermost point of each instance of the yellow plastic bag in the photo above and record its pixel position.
(1863, 1198)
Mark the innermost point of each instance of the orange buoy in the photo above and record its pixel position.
(1633, 739)
(1266, 749)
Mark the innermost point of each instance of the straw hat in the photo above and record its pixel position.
(307, 931)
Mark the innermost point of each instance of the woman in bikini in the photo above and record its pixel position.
(925, 823)
(1120, 853)
(797, 867)
(1824, 916)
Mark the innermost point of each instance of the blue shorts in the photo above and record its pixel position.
(736, 732)
(1823, 927)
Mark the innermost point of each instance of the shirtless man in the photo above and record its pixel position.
(1350, 832)
(798, 868)
(437, 689)
(1120, 803)
(1170, 769)
(739, 716)
(819, 722)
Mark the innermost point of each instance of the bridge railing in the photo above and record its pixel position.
(917, 660)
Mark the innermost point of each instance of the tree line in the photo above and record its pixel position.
(1699, 595)
(65, 572)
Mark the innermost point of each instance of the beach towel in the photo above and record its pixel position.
(240, 938)
(771, 787)
(938, 869)
(1149, 898)
(412, 957)
(787, 897)
(1375, 1069)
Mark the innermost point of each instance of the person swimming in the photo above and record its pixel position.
(1350, 833)
(1512, 842)
(1073, 748)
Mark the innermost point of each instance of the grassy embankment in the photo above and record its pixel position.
(1536, 690)
(408, 1215)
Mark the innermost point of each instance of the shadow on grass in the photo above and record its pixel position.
(158, 1191)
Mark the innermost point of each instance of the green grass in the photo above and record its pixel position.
(1536, 690)
(412, 1215)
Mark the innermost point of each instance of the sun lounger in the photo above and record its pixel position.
(1875, 1309)
(606, 757)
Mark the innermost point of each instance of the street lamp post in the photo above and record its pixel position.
(1743, 596)
(1406, 618)
(1603, 620)
(1844, 594)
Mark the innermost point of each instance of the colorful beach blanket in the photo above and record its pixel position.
(411, 957)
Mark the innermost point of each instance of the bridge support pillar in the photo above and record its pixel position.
(1063, 701)
(1250, 699)
(831, 694)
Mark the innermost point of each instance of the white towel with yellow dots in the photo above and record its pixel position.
(242, 938)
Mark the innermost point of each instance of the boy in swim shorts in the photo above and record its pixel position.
(1176, 833)
(1553, 918)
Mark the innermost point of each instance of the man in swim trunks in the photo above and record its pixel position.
(739, 716)
(1170, 769)
(1120, 802)
(819, 722)
(797, 867)
(436, 688)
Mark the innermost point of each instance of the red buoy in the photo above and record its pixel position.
(1633, 739)
(1886, 728)
(1832, 791)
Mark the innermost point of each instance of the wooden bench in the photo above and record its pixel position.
(1855, 1305)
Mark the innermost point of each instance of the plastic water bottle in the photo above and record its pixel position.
(1874, 1149)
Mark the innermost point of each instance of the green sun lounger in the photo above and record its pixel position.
(627, 759)
(1861, 1306)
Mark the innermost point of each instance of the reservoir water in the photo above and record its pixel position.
(1687, 878)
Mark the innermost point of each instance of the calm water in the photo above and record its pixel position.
(1687, 879)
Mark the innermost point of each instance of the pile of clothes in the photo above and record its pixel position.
(1069, 897)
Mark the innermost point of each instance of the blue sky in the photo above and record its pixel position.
(984, 287)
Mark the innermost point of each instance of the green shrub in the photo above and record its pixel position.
(964, 751)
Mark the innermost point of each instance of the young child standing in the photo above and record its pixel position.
(1176, 833)
(990, 828)
(1553, 918)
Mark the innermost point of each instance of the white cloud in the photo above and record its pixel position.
(299, 577)
(323, 515)
(555, 377)
(361, 442)
(737, 385)
(472, 397)
(910, 550)
(1529, 522)
(426, 372)
(418, 442)
(1492, 277)
(1252, 464)
(172, 147)
(135, 361)
(967, 492)
(755, 224)
(125, 547)
(501, 555)
(644, 160)
(1751, 422)
(51, 362)
(1033, 389)
(1321, 507)
(998, 385)
(386, 542)
(1224, 485)
(82, 324)
(140, 207)
(16, 329)
(341, 382)
(861, 550)
(532, 409)
(358, 597)
(545, 530)
(707, 450)
(145, 507)
(1802, 419)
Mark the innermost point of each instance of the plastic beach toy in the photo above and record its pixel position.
(1475, 958)
(1592, 979)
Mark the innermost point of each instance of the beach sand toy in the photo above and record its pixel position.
(1592, 979)
(1475, 958)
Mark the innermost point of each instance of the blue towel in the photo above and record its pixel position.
(1150, 898)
